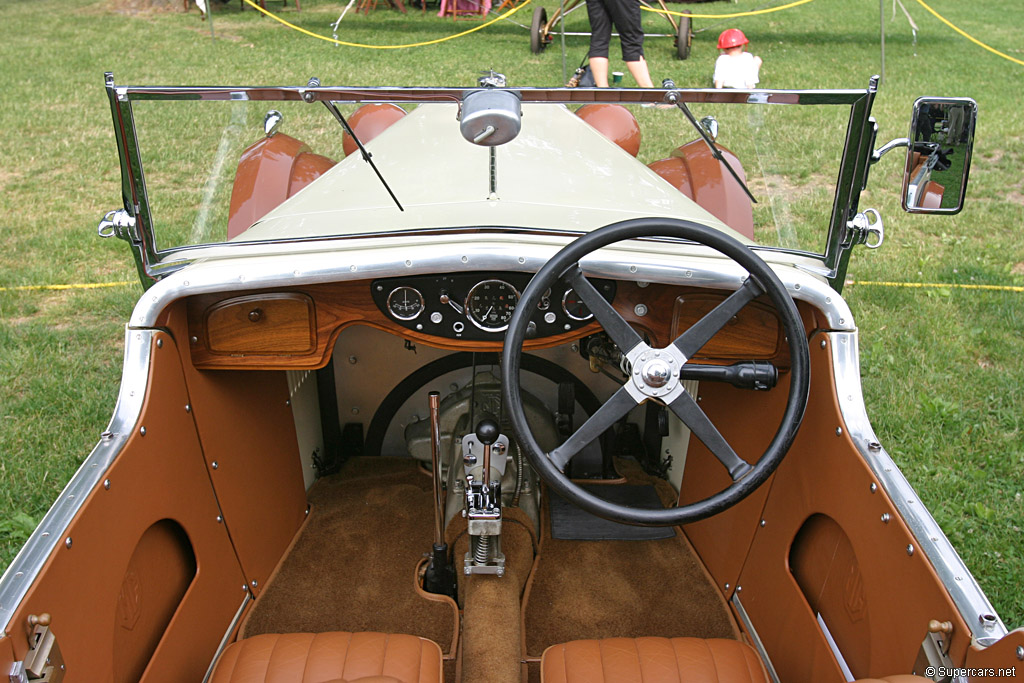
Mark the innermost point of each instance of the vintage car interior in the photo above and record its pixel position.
(550, 419)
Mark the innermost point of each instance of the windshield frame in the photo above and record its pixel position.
(153, 263)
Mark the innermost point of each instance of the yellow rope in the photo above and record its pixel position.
(88, 285)
(390, 47)
(938, 285)
(969, 37)
(724, 16)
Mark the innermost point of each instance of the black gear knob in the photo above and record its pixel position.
(487, 431)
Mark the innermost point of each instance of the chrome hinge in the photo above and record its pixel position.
(43, 663)
(118, 223)
(861, 229)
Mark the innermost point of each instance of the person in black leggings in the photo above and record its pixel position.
(625, 16)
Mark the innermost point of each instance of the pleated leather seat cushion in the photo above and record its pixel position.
(663, 660)
(652, 660)
(335, 657)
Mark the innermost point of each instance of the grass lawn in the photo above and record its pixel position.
(943, 366)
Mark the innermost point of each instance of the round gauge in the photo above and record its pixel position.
(405, 303)
(491, 303)
(574, 307)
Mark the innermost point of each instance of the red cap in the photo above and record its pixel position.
(731, 37)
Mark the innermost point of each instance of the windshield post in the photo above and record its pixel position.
(133, 187)
(853, 177)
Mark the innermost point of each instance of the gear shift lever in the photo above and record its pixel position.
(483, 497)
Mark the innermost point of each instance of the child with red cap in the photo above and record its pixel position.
(734, 67)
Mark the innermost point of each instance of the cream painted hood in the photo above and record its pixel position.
(559, 173)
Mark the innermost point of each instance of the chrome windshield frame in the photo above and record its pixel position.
(154, 263)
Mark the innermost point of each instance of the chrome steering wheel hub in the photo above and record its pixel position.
(654, 373)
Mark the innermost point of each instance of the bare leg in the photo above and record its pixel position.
(599, 67)
(638, 69)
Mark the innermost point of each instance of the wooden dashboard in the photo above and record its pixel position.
(296, 328)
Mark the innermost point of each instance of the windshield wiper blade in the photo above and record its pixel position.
(673, 98)
(314, 82)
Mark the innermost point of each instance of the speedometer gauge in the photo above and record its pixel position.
(405, 303)
(491, 303)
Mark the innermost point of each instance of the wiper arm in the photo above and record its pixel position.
(314, 82)
(673, 98)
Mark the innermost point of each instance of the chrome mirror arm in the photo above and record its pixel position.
(888, 147)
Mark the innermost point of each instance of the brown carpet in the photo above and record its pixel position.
(601, 589)
(352, 568)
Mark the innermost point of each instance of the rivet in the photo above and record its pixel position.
(739, 589)
(255, 583)
(355, 410)
(142, 430)
(632, 269)
(1020, 652)
(763, 522)
(106, 484)
(640, 310)
(842, 322)
(874, 446)
(465, 259)
(288, 402)
(352, 360)
(107, 436)
(796, 286)
(873, 487)
(188, 407)
(67, 541)
(159, 343)
(910, 549)
(220, 520)
(308, 508)
(828, 299)
(839, 431)
(824, 343)
(194, 339)
(726, 586)
(244, 587)
(214, 464)
(886, 517)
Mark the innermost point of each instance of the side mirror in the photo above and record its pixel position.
(939, 154)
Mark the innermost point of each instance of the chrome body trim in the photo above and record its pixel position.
(49, 534)
(680, 264)
(755, 639)
(227, 635)
(977, 611)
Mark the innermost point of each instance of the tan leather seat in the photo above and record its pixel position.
(663, 660)
(652, 660)
(330, 658)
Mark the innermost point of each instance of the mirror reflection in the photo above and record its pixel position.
(939, 155)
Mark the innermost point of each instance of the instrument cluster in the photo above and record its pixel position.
(479, 306)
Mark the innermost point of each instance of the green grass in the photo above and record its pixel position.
(943, 367)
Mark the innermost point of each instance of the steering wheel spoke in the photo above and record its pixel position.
(691, 341)
(618, 329)
(607, 415)
(687, 410)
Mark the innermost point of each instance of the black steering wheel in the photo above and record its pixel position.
(654, 373)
